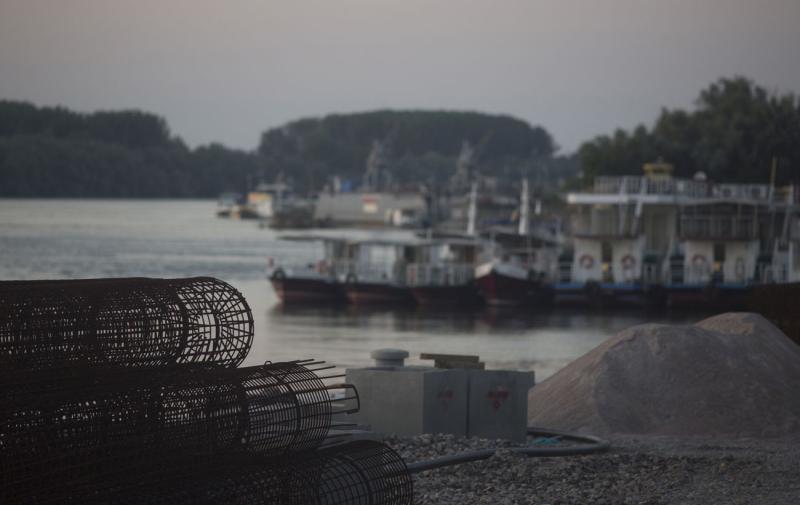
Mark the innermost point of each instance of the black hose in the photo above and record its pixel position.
(589, 445)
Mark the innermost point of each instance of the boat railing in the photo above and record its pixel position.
(642, 185)
(603, 223)
(628, 185)
(718, 227)
(361, 271)
(308, 269)
(439, 274)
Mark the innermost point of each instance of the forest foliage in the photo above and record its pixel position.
(733, 134)
(421, 146)
(55, 152)
(735, 131)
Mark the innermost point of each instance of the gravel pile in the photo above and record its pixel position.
(735, 374)
(637, 470)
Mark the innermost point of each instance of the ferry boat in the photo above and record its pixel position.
(375, 272)
(443, 273)
(310, 282)
(656, 239)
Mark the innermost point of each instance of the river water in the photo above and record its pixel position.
(65, 239)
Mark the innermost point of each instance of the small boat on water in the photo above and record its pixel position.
(520, 270)
(516, 278)
(310, 282)
(405, 271)
(376, 272)
(228, 205)
(444, 273)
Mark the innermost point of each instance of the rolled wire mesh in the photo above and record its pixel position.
(132, 322)
(91, 428)
(355, 473)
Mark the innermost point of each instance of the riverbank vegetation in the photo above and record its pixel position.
(55, 152)
(733, 135)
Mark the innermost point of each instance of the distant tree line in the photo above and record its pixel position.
(54, 152)
(422, 145)
(732, 135)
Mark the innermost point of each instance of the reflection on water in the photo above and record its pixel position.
(540, 340)
(57, 239)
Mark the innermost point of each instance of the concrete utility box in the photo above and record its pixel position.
(498, 404)
(411, 400)
(463, 402)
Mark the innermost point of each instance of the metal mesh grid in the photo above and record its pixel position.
(355, 473)
(87, 429)
(132, 322)
(82, 422)
(358, 473)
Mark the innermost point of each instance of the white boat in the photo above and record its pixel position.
(656, 239)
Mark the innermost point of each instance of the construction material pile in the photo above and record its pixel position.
(734, 374)
(127, 391)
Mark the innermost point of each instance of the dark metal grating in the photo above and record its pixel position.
(125, 391)
(361, 472)
(356, 473)
(116, 422)
(133, 322)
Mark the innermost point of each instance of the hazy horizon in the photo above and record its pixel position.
(227, 72)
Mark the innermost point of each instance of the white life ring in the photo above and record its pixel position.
(586, 261)
(628, 262)
(698, 260)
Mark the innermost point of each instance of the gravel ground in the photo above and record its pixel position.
(637, 470)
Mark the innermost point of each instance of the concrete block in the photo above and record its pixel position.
(498, 404)
(411, 400)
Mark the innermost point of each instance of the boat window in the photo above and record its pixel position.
(719, 252)
(605, 252)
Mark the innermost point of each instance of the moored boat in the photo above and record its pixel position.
(657, 240)
(375, 272)
(311, 281)
(444, 273)
(505, 283)
(522, 260)
(306, 288)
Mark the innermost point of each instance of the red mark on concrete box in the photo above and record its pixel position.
(445, 396)
(498, 396)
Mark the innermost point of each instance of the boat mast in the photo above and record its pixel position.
(473, 209)
(524, 205)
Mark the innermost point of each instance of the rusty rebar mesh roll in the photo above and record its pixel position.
(355, 473)
(361, 472)
(122, 422)
(132, 322)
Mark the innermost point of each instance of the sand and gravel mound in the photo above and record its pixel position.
(732, 374)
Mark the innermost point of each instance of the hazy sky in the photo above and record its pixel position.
(227, 70)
